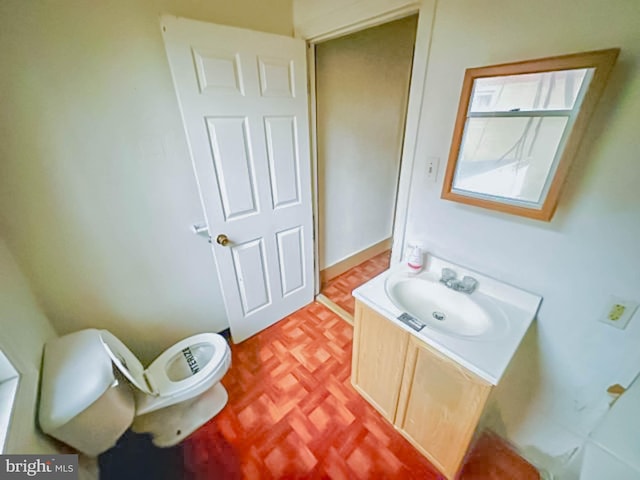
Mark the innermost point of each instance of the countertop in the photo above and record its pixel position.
(487, 358)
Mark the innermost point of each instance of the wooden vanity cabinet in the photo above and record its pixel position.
(439, 406)
(377, 364)
(436, 404)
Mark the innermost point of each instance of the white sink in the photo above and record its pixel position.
(480, 331)
(473, 317)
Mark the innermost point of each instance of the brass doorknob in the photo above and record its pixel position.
(222, 240)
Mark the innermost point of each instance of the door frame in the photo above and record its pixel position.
(426, 16)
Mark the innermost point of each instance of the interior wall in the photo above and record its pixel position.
(312, 18)
(97, 192)
(362, 85)
(555, 391)
(273, 16)
(24, 329)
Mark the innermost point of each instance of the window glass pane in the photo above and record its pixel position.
(508, 156)
(532, 91)
(8, 388)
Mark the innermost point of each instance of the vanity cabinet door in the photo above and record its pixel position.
(379, 350)
(439, 406)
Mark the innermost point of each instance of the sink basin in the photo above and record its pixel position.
(474, 316)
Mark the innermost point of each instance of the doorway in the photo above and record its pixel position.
(362, 85)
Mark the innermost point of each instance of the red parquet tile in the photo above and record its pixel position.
(492, 459)
(339, 289)
(293, 414)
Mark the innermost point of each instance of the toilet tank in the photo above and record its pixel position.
(613, 450)
(83, 401)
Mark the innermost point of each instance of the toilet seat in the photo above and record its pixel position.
(154, 380)
(147, 403)
(156, 373)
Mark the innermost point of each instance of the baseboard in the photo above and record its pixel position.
(356, 259)
(226, 333)
(335, 308)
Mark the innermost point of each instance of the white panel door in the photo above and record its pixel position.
(243, 98)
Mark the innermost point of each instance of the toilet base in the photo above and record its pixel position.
(169, 426)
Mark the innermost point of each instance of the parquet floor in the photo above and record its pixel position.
(339, 289)
(293, 414)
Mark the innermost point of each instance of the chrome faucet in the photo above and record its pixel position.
(450, 280)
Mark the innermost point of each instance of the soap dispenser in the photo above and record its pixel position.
(415, 261)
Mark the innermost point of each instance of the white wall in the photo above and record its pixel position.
(97, 192)
(555, 391)
(362, 85)
(23, 331)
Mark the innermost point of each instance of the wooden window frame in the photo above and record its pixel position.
(602, 61)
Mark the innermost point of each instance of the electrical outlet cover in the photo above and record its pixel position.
(618, 312)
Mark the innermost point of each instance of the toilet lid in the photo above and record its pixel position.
(126, 362)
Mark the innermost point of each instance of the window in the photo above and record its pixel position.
(518, 126)
(8, 386)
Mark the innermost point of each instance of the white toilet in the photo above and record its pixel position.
(94, 388)
(613, 448)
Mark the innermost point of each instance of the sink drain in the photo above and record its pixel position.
(439, 316)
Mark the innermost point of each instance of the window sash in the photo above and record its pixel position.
(570, 113)
(523, 113)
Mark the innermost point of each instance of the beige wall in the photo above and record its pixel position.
(274, 16)
(23, 331)
(362, 85)
(97, 192)
(313, 18)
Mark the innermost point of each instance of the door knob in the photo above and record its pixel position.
(222, 240)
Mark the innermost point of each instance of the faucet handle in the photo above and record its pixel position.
(469, 283)
(448, 274)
